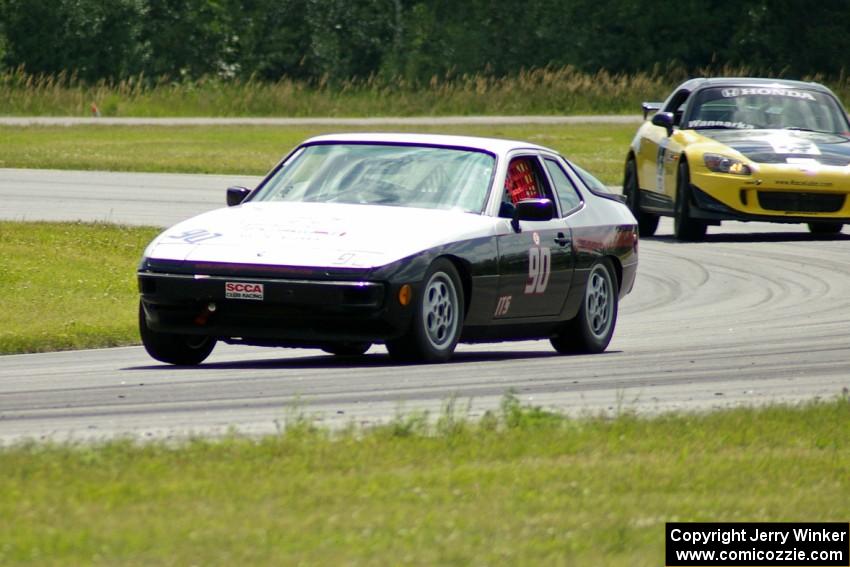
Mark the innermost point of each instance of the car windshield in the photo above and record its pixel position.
(383, 174)
(592, 183)
(768, 107)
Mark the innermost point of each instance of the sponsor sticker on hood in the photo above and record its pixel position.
(795, 145)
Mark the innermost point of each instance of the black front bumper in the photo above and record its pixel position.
(292, 312)
(704, 206)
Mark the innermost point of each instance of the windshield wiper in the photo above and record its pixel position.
(801, 129)
(717, 127)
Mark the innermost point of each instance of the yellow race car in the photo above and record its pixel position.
(741, 149)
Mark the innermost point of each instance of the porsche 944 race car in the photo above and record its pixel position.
(741, 149)
(413, 241)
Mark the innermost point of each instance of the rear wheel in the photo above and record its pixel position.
(685, 227)
(591, 330)
(825, 227)
(647, 222)
(438, 318)
(183, 350)
(347, 348)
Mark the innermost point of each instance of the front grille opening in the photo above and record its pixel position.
(360, 296)
(147, 285)
(801, 202)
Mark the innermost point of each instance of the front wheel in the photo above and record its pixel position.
(647, 222)
(438, 318)
(591, 330)
(685, 227)
(825, 228)
(173, 348)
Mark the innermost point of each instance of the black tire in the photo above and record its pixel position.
(647, 222)
(825, 228)
(347, 348)
(686, 228)
(183, 350)
(591, 330)
(437, 320)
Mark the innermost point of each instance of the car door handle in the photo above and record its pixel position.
(562, 240)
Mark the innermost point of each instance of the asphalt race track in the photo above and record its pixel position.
(150, 199)
(757, 313)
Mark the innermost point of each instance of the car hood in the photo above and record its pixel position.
(314, 235)
(776, 146)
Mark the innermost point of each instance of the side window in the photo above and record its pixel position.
(525, 181)
(676, 105)
(567, 195)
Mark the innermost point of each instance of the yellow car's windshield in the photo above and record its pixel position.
(766, 107)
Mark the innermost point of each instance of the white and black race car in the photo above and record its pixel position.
(413, 241)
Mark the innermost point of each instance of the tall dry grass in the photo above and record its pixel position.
(556, 91)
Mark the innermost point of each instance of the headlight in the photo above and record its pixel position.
(723, 164)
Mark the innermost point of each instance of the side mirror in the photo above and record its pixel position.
(235, 195)
(665, 120)
(532, 210)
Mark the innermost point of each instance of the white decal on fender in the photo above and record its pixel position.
(659, 164)
(195, 236)
(503, 305)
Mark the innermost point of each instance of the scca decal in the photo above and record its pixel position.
(239, 290)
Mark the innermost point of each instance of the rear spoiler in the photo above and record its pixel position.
(650, 108)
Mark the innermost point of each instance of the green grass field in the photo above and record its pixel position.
(549, 91)
(520, 487)
(535, 91)
(68, 285)
(253, 150)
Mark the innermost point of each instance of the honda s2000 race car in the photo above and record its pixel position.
(413, 241)
(741, 149)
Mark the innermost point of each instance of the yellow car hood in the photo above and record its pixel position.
(776, 146)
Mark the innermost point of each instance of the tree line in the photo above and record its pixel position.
(416, 40)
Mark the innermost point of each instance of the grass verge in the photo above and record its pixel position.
(519, 487)
(552, 90)
(534, 91)
(253, 150)
(68, 285)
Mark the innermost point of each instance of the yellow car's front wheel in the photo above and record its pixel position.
(685, 227)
